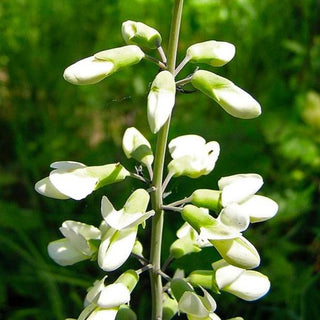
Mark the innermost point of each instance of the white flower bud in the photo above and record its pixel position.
(88, 71)
(238, 251)
(231, 98)
(214, 53)
(136, 146)
(140, 34)
(93, 69)
(161, 100)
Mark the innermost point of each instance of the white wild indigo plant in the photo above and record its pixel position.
(210, 217)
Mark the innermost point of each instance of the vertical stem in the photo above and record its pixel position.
(156, 198)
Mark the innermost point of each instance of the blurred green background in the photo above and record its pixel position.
(45, 119)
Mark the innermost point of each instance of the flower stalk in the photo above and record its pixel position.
(156, 198)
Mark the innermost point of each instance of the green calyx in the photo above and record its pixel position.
(206, 198)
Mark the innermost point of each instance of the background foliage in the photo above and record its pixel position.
(44, 119)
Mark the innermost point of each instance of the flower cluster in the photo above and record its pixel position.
(212, 218)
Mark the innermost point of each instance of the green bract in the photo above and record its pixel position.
(214, 53)
(231, 98)
(140, 34)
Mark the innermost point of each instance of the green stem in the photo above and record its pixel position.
(157, 221)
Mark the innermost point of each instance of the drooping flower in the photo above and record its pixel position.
(192, 156)
(77, 245)
(75, 180)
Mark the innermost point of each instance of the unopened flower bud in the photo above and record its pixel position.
(140, 34)
(93, 69)
(238, 251)
(122, 56)
(214, 53)
(136, 146)
(231, 98)
(161, 100)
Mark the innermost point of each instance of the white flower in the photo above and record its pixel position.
(241, 189)
(75, 180)
(161, 100)
(245, 284)
(76, 245)
(132, 214)
(110, 296)
(115, 247)
(198, 307)
(192, 156)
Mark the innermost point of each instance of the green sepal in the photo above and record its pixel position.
(182, 247)
(197, 218)
(204, 279)
(129, 278)
(125, 313)
(137, 202)
(179, 287)
(206, 198)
